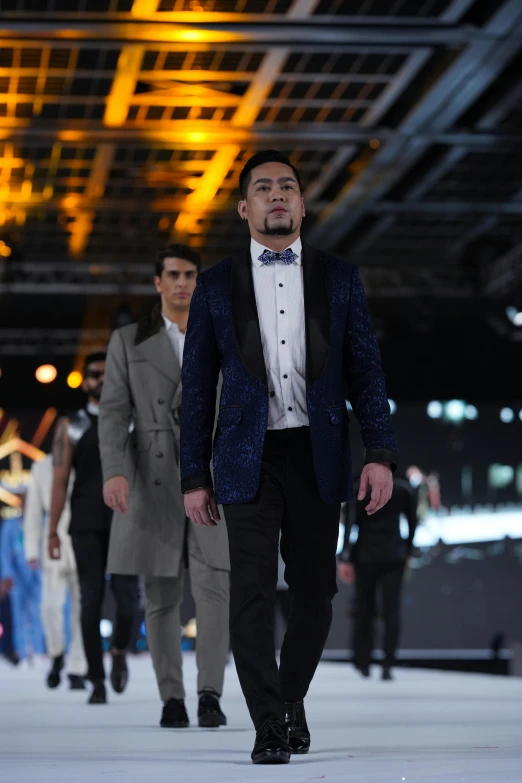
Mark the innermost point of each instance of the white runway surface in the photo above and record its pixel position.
(425, 726)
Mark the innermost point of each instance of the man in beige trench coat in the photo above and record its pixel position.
(150, 536)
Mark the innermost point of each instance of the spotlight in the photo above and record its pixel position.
(471, 412)
(106, 628)
(74, 379)
(435, 409)
(507, 415)
(46, 373)
(455, 410)
(393, 406)
(514, 315)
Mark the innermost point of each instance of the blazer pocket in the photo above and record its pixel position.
(229, 416)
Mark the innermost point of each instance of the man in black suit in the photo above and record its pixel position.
(377, 561)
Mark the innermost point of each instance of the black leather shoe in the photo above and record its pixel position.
(174, 715)
(271, 744)
(119, 672)
(99, 693)
(387, 676)
(363, 670)
(298, 733)
(53, 678)
(76, 683)
(210, 715)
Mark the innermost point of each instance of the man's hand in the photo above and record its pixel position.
(380, 478)
(116, 492)
(201, 507)
(5, 587)
(54, 546)
(346, 573)
(34, 564)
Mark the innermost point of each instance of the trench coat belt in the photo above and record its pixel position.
(153, 426)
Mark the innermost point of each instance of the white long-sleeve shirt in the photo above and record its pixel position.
(280, 306)
(36, 518)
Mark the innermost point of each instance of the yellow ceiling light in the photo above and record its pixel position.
(123, 86)
(5, 251)
(71, 201)
(46, 373)
(74, 379)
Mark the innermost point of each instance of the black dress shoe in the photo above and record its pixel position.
(99, 693)
(174, 715)
(363, 670)
(387, 676)
(298, 733)
(119, 672)
(210, 715)
(271, 744)
(76, 683)
(53, 678)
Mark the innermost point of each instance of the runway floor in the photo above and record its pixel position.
(425, 726)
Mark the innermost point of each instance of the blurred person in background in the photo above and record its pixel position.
(59, 577)
(376, 562)
(76, 447)
(22, 585)
(150, 533)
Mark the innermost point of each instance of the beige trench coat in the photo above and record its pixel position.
(139, 439)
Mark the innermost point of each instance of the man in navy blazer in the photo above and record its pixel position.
(289, 328)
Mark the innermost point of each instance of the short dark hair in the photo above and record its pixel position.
(266, 156)
(177, 251)
(91, 358)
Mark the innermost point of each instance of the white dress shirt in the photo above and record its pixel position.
(280, 306)
(177, 338)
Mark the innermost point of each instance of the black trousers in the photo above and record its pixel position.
(288, 501)
(369, 578)
(91, 550)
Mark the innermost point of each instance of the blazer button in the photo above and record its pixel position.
(160, 401)
(157, 482)
(159, 454)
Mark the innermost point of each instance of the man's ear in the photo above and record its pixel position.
(242, 210)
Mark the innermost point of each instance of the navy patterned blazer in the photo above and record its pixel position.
(343, 363)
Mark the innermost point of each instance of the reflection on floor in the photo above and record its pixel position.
(425, 726)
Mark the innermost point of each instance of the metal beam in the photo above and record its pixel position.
(448, 208)
(462, 83)
(280, 30)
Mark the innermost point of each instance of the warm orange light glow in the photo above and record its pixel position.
(9, 499)
(375, 144)
(5, 251)
(46, 373)
(44, 427)
(74, 379)
(16, 444)
(71, 201)
(123, 86)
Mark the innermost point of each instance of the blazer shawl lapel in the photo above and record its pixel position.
(245, 316)
(317, 313)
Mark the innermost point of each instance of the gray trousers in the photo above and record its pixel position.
(163, 596)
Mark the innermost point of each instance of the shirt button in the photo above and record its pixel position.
(285, 376)
(290, 409)
(272, 394)
(157, 482)
(160, 401)
(280, 285)
(159, 454)
(283, 342)
(282, 312)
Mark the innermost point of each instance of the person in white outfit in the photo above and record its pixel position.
(59, 576)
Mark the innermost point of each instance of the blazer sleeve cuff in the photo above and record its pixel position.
(199, 481)
(383, 455)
